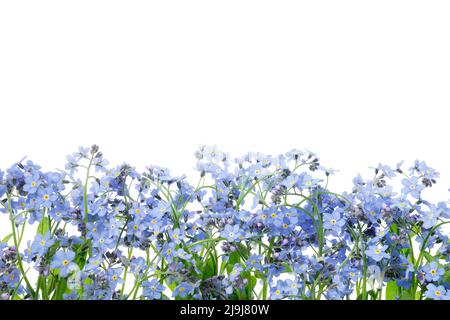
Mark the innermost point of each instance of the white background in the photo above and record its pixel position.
(358, 82)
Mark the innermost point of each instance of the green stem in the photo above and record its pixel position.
(85, 189)
(16, 244)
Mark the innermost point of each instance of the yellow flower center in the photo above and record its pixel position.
(42, 243)
(33, 184)
(433, 272)
(333, 221)
(65, 262)
(438, 293)
(46, 197)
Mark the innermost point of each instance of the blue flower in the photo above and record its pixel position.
(176, 235)
(377, 252)
(74, 295)
(231, 232)
(100, 207)
(411, 186)
(235, 272)
(429, 217)
(254, 261)
(292, 287)
(152, 289)
(307, 181)
(427, 172)
(267, 216)
(168, 251)
(433, 271)
(93, 263)
(278, 291)
(436, 292)
(60, 211)
(46, 197)
(183, 290)
(41, 244)
(182, 254)
(32, 183)
(257, 171)
(103, 241)
(11, 278)
(114, 276)
(138, 265)
(334, 221)
(63, 261)
(137, 210)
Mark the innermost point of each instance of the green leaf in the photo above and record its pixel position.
(172, 285)
(373, 294)
(249, 288)
(209, 269)
(428, 256)
(81, 254)
(60, 289)
(232, 260)
(446, 276)
(394, 228)
(392, 290)
(6, 239)
(88, 281)
(43, 226)
(406, 296)
(419, 295)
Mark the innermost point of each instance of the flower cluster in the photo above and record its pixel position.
(255, 227)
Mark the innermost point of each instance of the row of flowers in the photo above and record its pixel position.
(255, 227)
